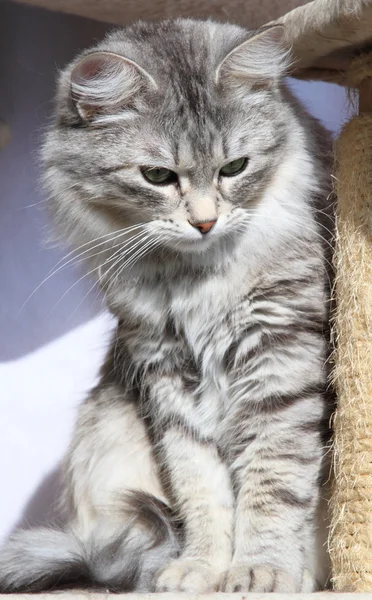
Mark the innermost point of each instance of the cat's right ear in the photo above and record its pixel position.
(103, 84)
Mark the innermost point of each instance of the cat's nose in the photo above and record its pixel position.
(204, 226)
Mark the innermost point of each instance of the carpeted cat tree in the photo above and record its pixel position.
(331, 40)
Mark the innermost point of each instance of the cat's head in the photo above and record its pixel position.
(173, 130)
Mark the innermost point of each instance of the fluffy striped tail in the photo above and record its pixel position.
(43, 559)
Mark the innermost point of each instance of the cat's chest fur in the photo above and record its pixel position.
(199, 316)
(188, 330)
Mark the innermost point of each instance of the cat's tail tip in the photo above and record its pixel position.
(35, 560)
(124, 560)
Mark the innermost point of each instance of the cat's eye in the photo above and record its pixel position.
(159, 175)
(234, 167)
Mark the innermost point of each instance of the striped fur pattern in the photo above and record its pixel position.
(197, 462)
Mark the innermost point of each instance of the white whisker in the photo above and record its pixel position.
(122, 255)
(115, 235)
(54, 271)
(141, 252)
(87, 275)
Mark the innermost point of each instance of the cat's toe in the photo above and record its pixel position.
(259, 578)
(188, 575)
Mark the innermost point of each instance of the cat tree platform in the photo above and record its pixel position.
(251, 13)
(331, 40)
(324, 34)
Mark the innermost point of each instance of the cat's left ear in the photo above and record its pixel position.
(261, 60)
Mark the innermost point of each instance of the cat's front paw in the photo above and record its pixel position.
(259, 578)
(189, 575)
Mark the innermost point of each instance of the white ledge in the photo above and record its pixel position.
(85, 595)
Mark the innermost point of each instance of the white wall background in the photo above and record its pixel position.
(52, 337)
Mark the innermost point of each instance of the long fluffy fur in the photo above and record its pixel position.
(123, 558)
(213, 400)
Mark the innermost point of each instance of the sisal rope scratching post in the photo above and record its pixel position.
(351, 503)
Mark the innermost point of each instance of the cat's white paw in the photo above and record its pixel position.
(188, 575)
(259, 578)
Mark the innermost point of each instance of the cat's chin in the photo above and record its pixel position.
(192, 247)
(205, 252)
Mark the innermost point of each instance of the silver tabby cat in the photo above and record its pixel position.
(196, 189)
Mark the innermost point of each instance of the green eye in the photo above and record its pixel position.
(234, 167)
(159, 175)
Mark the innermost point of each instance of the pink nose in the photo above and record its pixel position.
(204, 226)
